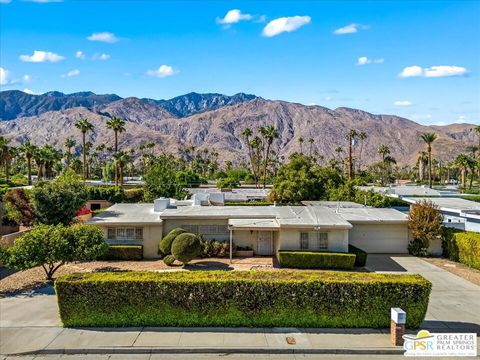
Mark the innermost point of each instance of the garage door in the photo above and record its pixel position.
(381, 239)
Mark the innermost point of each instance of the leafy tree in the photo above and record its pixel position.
(228, 183)
(56, 202)
(161, 179)
(18, 208)
(85, 126)
(425, 223)
(188, 178)
(52, 246)
(429, 138)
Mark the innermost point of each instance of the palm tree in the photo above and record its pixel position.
(351, 137)
(122, 158)
(383, 150)
(463, 162)
(311, 141)
(429, 138)
(5, 154)
(422, 160)
(300, 141)
(85, 126)
(362, 135)
(69, 144)
(118, 126)
(247, 133)
(269, 134)
(28, 150)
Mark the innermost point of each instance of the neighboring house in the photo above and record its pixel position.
(412, 190)
(322, 226)
(457, 212)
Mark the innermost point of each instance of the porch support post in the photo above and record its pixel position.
(231, 245)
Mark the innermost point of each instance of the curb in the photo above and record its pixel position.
(216, 350)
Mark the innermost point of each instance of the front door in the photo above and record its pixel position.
(265, 243)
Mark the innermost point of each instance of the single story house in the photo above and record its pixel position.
(457, 212)
(319, 226)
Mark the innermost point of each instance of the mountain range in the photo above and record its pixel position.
(216, 121)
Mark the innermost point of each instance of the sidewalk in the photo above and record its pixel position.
(57, 340)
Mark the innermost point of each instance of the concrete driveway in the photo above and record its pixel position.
(454, 302)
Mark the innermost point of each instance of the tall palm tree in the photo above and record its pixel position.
(383, 150)
(28, 150)
(247, 133)
(122, 158)
(352, 134)
(422, 160)
(300, 141)
(118, 126)
(85, 126)
(429, 138)
(5, 154)
(362, 135)
(269, 134)
(464, 162)
(69, 144)
(311, 141)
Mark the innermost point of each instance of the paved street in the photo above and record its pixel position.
(31, 323)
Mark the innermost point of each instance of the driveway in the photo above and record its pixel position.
(454, 302)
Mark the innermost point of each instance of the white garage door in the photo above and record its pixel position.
(380, 239)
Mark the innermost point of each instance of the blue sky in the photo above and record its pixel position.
(415, 59)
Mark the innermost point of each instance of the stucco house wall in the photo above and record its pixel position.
(289, 239)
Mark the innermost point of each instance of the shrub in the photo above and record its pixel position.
(361, 256)
(169, 260)
(462, 246)
(228, 183)
(316, 260)
(109, 193)
(134, 195)
(18, 207)
(213, 248)
(165, 245)
(83, 211)
(186, 247)
(240, 298)
(52, 246)
(425, 223)
(124, 252)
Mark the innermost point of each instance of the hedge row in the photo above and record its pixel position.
(114, 194)
(462, 246)
(316, 260)
(124, 252)
(361, 256)
(240, 298)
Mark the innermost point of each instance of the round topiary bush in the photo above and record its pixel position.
(186, 247)
(166, 243)
(169, 260)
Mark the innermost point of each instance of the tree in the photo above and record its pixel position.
(300, 141)
(85, 126)
(311, 141)
(69, 144)
(269, 134)
(28, 150)
(186, 247)
(425, 223)
(384, 150)
(422, 160)
(160, 179)
(429, 138)
(18, 207)
(362, 136)
(118, 126)
(52, 246)
(352, 134)
(464, 162)
(121, 158)
(228, 183)
(56, 202)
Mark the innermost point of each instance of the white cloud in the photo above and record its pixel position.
(42, 56)
(350, 29)
(107, 37)
(442, 70)
(363, 60)
(162, 71)
(101, 56)
(433, 71)
(28, 91)
(4, 76)
(285, 24)
(71, 73)
(234, 16)
(26, 78)
(80, 55)
(402, 103)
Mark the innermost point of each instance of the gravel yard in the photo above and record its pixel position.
(14, 282)
(456, 268)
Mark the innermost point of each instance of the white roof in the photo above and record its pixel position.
(448, 203)
(334, 204)
(373, 215)
(247, 224)
(127, 214)
(237, 195)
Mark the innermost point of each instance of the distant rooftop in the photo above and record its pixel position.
(127, 214)
(448, 203)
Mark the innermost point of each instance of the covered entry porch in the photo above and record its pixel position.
(258, 234)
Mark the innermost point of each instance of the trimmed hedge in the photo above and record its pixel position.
(240, 298)
(361, 256)
(124, 252)
(462, 246)
(316, 260)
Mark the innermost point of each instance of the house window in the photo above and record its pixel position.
(313, 241)
(303, 241)
(209, 232)
(125, 233)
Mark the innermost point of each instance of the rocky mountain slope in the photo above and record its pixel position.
(221, 129)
